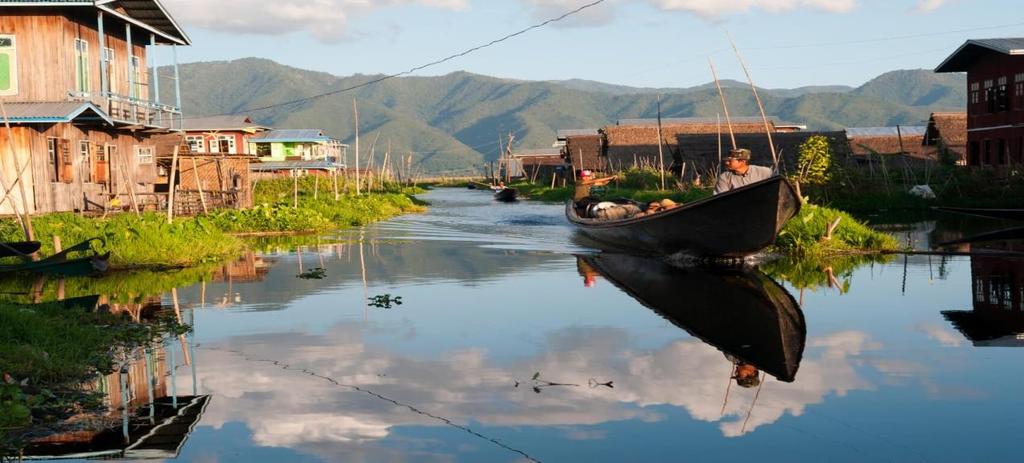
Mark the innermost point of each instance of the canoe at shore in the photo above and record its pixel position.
(19, 248)
(736, 223)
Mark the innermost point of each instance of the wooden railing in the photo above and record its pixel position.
(126, 109)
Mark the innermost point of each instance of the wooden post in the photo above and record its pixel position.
(316, 186)
(131, 185)
(661, 153)
(760, 106)
(199, 186)
(355, 111)
(718, 170)
(295, 188)
(334, 177)
(26, 218)
(57, 247)
(170, 185)
(725, 107)
(553, 174)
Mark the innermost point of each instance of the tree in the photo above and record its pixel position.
(814, 162)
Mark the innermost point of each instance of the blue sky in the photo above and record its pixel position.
(652, 43)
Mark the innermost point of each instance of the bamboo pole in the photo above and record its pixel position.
(725, 107)
(508, 158)
(334, 177)
(316, 186)
(760, 106)
(295, 188)
(355, 111)
(131, 186)
(170, 185)
(661, 153)
(718, 169)
(369, 164)
(199, 185)
(26, 218)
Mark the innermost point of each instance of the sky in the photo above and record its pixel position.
(640, 43)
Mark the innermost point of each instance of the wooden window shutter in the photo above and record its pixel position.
(66, 170)
(99, 163)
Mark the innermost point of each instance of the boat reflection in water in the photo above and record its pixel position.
(741, 312)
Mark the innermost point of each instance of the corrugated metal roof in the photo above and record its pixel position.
(697, 120)
(54, 111)
(290, 135)
(562, 134)
(964, 57)
(539, 152)
(221, 123)
(149, 13)
(905, 130)
(293, 165)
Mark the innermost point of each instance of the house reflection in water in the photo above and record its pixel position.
(997, 318)
(248, 268)
(155, 423)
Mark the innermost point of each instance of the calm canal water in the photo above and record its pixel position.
(513, 343)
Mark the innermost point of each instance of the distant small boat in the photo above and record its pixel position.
(62, 264)
(18, 248)
(506, 195)
(736, 223)
(1004, 214)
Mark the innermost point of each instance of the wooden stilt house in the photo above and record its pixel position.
(81, 102)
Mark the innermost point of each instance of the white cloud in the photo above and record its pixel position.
(286, 408)
(326, 20)
(716, 8)
(928, 5)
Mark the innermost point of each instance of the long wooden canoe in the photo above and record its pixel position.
(506, 195)
(18, 248)
(1005, 214)
(90, 262)
(742, 313)
(736, 223)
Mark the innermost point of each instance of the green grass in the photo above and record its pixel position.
(134, 241)
(804, 234)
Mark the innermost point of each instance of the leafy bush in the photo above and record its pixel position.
(814, 161)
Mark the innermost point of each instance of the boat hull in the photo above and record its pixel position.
(507, 195)
(737, 223)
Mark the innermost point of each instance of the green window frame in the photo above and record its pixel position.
(82, 66)
(8, 66)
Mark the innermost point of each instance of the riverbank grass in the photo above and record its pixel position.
(807, 235)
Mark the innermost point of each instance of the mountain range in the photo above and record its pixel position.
(453, 122)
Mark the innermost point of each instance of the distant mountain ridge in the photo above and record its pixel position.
(453, 122)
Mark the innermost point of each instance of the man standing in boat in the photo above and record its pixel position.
(739, 172)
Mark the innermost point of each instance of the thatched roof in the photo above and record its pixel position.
(950, 129)
(589, 147)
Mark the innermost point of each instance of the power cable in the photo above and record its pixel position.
(420, 67)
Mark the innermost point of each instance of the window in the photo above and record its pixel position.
(144, 154)
(1002, 98)
(85, 154)
(53, 157)
(263, 150)
(81, 65)
(8, 66)
(990, 99)
(226, 144)
(136, 74)
(196, 143)
(108, 64)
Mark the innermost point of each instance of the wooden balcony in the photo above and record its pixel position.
(133, 111)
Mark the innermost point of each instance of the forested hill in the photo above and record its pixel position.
(453, 122)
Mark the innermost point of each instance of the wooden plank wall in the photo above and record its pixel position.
(45, 44)
(48, 192)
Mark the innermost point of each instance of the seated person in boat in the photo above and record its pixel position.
(739, 172)
(745, 374)
(500, 186)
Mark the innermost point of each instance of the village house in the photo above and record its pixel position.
(692, 142)
(995, 98)
(867, 143)
(299, 152)
(947, 134)
(537, 163)
(212, 164)
(77, 89)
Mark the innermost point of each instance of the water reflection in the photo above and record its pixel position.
(997, 315)
(742, 312)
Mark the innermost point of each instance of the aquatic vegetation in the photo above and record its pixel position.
(314, 274)
(807, 234)
(48, 351)
(385, 301)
